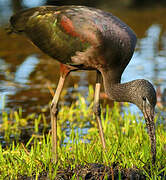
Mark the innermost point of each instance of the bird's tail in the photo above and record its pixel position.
(18, 21)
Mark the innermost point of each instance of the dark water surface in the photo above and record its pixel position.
(26, 73)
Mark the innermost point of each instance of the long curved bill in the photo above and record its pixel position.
(148, 112)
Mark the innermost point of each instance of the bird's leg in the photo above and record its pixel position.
(54, 110)
(97, 109)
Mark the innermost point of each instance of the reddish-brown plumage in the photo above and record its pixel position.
(67, 24)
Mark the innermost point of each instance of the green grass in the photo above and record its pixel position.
(126, 139)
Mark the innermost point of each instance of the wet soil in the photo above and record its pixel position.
(94, 171)
(99, 171)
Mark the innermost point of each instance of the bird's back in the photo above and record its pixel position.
(77, 34)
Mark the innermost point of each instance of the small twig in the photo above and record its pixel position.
(112, 173)
(25, 149)
(36, 160)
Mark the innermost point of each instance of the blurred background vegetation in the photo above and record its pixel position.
(18, 4)
(25, 71)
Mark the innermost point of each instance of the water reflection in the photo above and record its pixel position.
(142, 63)
(149, 44)
(32, 3)
(11, 86)
(25, 69)
(147, 61)
(5, 11)
(24, 76)
(3, 82)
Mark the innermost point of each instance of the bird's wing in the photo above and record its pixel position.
(76, 21)
(81, 22)
(52, 30)
(62, 32)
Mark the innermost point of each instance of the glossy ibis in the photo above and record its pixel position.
(84, 38)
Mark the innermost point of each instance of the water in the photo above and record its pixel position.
(26, 73)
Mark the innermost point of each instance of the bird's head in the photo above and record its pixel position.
(145, 99)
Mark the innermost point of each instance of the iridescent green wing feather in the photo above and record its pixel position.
(43, 25)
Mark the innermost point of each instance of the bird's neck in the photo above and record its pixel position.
(116, 91)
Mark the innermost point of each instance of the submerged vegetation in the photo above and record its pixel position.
(27, 148)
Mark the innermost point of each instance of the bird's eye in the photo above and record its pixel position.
(144, 98)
